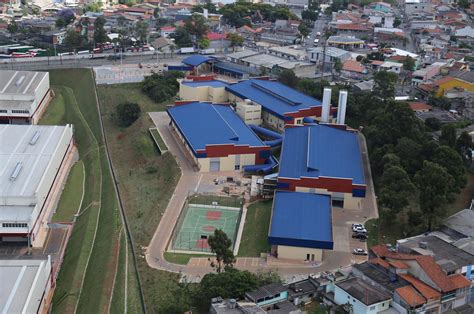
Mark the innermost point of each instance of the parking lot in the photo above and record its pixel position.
(127, 73)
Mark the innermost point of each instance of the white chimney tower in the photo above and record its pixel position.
(326, 105)
(341, 110)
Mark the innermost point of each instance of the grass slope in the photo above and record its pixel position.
(89, 260)
(146, 180)
(71, 195)
(254, 237)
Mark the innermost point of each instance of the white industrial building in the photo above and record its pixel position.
(25, 285)
(24, 95)
(34, 163)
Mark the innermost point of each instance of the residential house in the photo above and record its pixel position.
(419, 106)
(329, 54)
(362, 297)
(288, 52)
(55, 37)
(457, 80)
(454, 288)
(425, 74)
(388, 66)
(167, 31)
(353, 69)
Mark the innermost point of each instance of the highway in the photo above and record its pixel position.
(78, 61)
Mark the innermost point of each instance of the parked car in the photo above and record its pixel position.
(359, 252)
(360, 236)
(318, 33)
(316, 41)
(356, 226)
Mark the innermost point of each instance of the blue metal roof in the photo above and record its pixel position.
(213, 83)
(196, 60)
(204, 124)
(229, 69)
(301, 219)
(321, 151)
(273, 96)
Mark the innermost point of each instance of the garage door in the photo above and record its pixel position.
(215, 165)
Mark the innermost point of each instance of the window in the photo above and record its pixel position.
(3, 110)
(14, 225)
(20, 111)
(372, 307)
(237, 167)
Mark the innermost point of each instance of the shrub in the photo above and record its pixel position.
(127, 113)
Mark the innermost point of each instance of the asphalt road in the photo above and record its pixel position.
(319, 26)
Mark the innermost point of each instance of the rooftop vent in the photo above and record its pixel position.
(35, 138)
(423, 245)
(16, 171)
(20, 80)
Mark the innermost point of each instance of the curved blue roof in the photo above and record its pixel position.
(321, 151)
(196, 60)
(204, 124)
(273, 96)
(301, 219)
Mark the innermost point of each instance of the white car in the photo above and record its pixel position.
(316, 41)
(360, 230)
(318, 33)
(357, 227)
(359, 252)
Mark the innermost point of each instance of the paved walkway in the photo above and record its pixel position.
(198, 267)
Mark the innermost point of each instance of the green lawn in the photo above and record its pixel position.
(255, 235)
(159, 141)
(71, 195)
(146, 181)
(91, 255)
(180, 258)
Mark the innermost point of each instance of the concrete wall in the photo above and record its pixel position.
(203, 93)
(39, 292)
(249, 113)
(350, 202)
(342, 297)
(273, 121)
(299, 253)
(227, 163)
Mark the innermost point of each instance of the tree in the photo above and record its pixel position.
(141, 31)
(397, 21)
(448, 135)
(433, 123)
(308, 15)
(73, 39)
(450, 159)
(409, 152)
(220, 245)
(464, 3)
(127, 113)
(60, 23)
(384, 84)
(396, 190)
(12, 27)
(409, 64)
(440, 102)
(182, 38)
(160, 87)
(312, 88)
(288, 77)
(204, 43)
(433, 183)
(230, 284)
(93, 7)
(235, 40)
(337, 65)
(100, 35)
(196, 25)
(304, 30)
(211, 8)
(67, 15)
(464, 147)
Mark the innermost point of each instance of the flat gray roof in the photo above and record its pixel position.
(19, 82)
(462, 222)
(22, 282)
(330, 51)
(16, 149)
(243, 54)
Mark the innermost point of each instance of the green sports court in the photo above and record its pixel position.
(197, 222)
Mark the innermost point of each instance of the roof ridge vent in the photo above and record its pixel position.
(16, 171)
(20, 80)
(35, 138)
